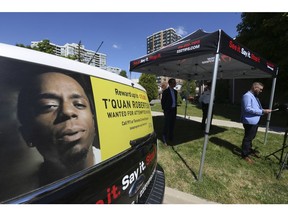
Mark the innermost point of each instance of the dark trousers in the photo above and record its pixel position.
(250, 134)
(169, 123)
(205, 108)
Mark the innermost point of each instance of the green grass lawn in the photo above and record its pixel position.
(226, 177)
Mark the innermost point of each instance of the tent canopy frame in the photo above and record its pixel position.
(208, 56)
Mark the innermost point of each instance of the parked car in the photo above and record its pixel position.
(73, 133)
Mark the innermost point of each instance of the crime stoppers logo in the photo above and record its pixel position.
(114, 192)
(146, 59)
(270, 66)
(244, 52)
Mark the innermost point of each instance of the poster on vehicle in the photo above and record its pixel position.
(123, 114)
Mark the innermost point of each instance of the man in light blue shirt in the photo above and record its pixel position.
(251, 111)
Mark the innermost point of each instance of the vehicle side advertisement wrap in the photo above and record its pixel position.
(67, 136)
(124, 113)
(133, 182)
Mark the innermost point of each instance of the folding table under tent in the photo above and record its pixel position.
(207, 56)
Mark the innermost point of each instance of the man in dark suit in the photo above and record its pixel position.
(169, 107)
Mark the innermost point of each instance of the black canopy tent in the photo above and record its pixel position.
(207, 56)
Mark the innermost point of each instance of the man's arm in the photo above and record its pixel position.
(250, 105)
(164, 99)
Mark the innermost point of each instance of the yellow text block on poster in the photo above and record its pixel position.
(123, 114)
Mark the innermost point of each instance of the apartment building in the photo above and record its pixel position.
(160, 39)
(157, 41)
(79, 51)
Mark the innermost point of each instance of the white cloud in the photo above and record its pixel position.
(115, 46)
(181, 31)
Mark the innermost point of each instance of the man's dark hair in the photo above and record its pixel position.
(171, 80)
(27, 96)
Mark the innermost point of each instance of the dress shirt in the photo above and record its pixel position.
(205, 97)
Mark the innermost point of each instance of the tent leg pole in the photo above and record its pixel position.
(185, 109)
(233, 91)
(270, 107)
(186, 100)
(211, 102)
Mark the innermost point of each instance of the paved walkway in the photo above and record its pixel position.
(173, 196)
(226, 123)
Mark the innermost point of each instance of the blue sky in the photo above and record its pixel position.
(123, 33)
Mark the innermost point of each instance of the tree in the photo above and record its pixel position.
(123, 73)
(79, 52)
(148, 81)
(185, 91)
(267, 34)
(72, 57)
(22, 45)
(45, 46)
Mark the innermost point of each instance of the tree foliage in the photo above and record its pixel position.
(267, 34)
(123, 73)
(79, 52)
(72, 57)
(188, 89)
(45, 46)
(148, 81)
(24, 46)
